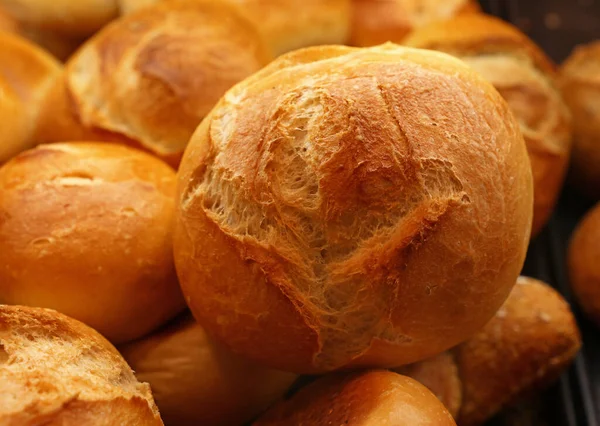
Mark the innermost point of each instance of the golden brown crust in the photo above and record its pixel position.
(149, 78)
(580, 85)
(58, 372)
(525, 77)
(78, 18)
(86, 229)
(370, 398)
(26, 73)
(197, 381)
(290, 183)
(378, 21)
(584, 264)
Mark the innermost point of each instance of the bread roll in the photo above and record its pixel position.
(197, 381)
(86, 229)
(527, 344)
(286, 24)
(584, 264)
(25, 75)
(78, 18)
(581, 90)
(55, 371)
(148, 79)
(377, 21)
(526, 79)
(346, 203)
(370, 398)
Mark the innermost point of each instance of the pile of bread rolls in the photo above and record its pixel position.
(281, 212)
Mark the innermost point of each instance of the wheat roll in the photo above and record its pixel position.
(56, 371)
(526, 79)
(197, 381)
(346, 202)
(26, 73)
(369, 398)
(580, 82)
(86, 229)
(378, 21)
(77, 18)
(147, 80)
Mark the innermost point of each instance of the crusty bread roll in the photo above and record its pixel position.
(78, 18)
(148, 79)
(286, 25)
(346, 203)
(371, 398)
(26, 73)
(525, 77)
(86, 229)
(580, 84)
(527, 344)
(377, 21)
(197, 381)
(584, 264)
(55, 371)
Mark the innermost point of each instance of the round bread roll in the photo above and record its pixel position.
(370, 398)
(584, 264)
(197, 381)
(86, 229)
(377, 21)
(148, 79)
(286, 25)
(346, 202)
(26, 73)
(55, 371)
(68, 17)
(580, 81)
(526, 79)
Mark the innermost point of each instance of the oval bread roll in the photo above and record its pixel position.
(55, 371)
(370, 398)
(320, 192)
(147, 80)
(197, 381)
(86, 229)
(526, 79)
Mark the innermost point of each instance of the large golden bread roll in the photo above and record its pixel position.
(580, 82)
(197, 381)
(55, 371)
(343, 207)
(286, 24)
(371, 398)
(526, 79)
(149, 79)
(377, 21)
(527, 344)
(68, 17)
(26, 73)
(86, 229)
(584, 264)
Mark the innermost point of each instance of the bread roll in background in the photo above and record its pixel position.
(26, 72)
(346, 203)
(526, 79)
(286, 25)
(74, 18)
(580, 84)
(56, 371)
(197, 381)
(86, 229)
(371, 398)
(584, 263)
(377, 21)
(528, 343)
(148, 79)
